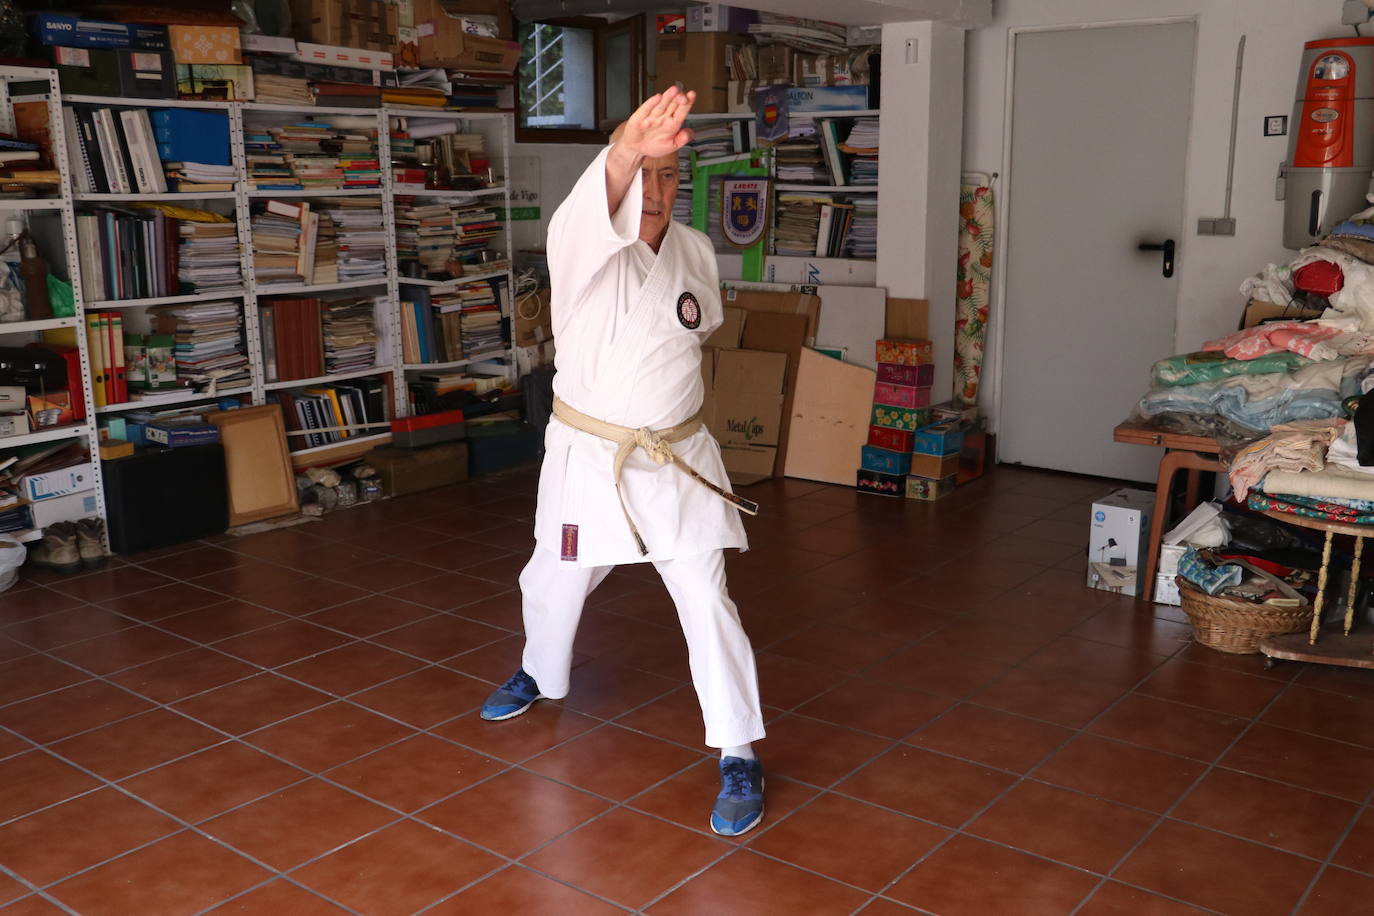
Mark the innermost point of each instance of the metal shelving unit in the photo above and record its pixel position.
(497, 127)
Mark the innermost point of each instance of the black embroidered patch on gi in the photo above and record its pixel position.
(689, 311)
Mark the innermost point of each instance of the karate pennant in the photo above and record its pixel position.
(744, 210)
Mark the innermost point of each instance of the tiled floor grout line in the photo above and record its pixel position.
(1166, 815)
(1330, 860)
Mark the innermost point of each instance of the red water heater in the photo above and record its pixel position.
(1331, 147)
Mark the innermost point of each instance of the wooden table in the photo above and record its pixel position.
(1193, 454)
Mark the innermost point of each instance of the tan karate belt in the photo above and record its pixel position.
(659, 445)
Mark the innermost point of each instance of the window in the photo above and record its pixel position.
(578, 78)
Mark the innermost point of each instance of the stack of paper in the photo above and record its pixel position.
(282, 90)
(350, 334)
(360, 234)
(208, 256)
(863, 231)
(424, 235)
(799, 159)
(276, 248)
(209, 341)
(807, 34)
(326, 251)
(862, 145)
(798, 223)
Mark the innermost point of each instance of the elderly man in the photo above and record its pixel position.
(630, 474)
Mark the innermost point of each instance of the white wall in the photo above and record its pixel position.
(1210, 268)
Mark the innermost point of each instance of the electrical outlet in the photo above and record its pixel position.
(1275, 125)
(1224, 225)
(1206, 227)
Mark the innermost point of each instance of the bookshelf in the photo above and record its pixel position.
(387, 289)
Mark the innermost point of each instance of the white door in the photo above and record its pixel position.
(1098, 141)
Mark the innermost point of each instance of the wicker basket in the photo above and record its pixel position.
(1234, 624)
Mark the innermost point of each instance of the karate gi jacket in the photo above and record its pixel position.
(628, 327)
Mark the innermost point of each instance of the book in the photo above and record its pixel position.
(93, 350)
(138, 136)
(120, 381)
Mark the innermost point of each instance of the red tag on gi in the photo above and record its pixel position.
(569, 551)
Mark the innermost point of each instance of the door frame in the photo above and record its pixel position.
(1001, 238)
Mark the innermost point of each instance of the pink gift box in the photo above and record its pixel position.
(900, 395)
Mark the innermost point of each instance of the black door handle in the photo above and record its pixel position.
(1167, 246)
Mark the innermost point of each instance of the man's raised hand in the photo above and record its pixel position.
(655, 129)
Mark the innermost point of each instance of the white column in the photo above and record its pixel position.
(918, 181)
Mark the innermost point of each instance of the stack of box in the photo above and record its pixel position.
(935, 460)
(901, 406)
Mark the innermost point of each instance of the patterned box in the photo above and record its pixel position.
(908, 418)
(940, 439)
(898, 440)
(955, 410)
(904, 352)
(922, 376)
(879, 483)
(205, 44)
(929, 488)
(936, 466)
(885, 460)
(900, 395)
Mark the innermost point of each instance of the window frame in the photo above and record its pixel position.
(601, 31)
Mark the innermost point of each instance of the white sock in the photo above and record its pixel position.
(744, 752)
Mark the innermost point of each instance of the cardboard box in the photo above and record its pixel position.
(828, 421)
(52, 409)
(60, 482)
(115, 71)
(444, 35)
(898, 440)
(731, 331)
(179, 435)
(74, 32)
(872, 458)
(828, 98)
(940, 439)
(1117, 541)
(955, 410)
(879, 484)
(975, 456)
(12, 398)
(697, 60)
(915, 376)
(113, 449)
(934, 466)
(533, 319)
(205, 44)
(906, 319)
(775, 63)
(412, 470)
(929, 489)
(783, 302)
(717, 17)
(891, 395)
(67, 508)
(215, 82)
(904, 418)
(366, 24)
(904, 352)
(1257, 312)
(667, 23)
(334, 56)
(740, 95)
(746, 411)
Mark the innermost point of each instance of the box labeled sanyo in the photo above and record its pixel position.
(1117, 540)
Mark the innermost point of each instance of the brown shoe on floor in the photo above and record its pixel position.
(90, 541)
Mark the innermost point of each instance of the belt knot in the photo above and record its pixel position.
(654, 445)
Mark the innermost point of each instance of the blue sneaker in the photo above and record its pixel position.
(739, 806)
(514, 697)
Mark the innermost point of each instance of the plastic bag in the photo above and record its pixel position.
(61, 297)
(11, 292)
(12, 554)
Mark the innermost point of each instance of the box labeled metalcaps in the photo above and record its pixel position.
(885, 460)
(898, 440)
(922, 376)
(880, 484)
(935, 466)
(929, 488)
(939, 439)
(907, 418)
(900, 395)
(904, 352)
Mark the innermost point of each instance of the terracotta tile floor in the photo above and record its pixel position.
(286, 724)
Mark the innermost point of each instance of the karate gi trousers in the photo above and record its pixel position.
(718, 651)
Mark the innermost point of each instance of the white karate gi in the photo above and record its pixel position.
(629, 353)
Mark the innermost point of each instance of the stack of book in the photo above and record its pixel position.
(799, 159)
(711, 139)
(283, 246)
(350, 334)
(194, 144)
(360, 237)
(833, 229)
(481, 331)
(798, 222)
(321, 156)
(347, 95)
(209, 341)
(127, 254)
(208, 257)
(437, 157)
(193, 177)
(863, 231)
(862, 145)
(424, 236)
(326, 250)
(267, 165)
(475, 225)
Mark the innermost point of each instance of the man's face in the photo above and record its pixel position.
(660, 190)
